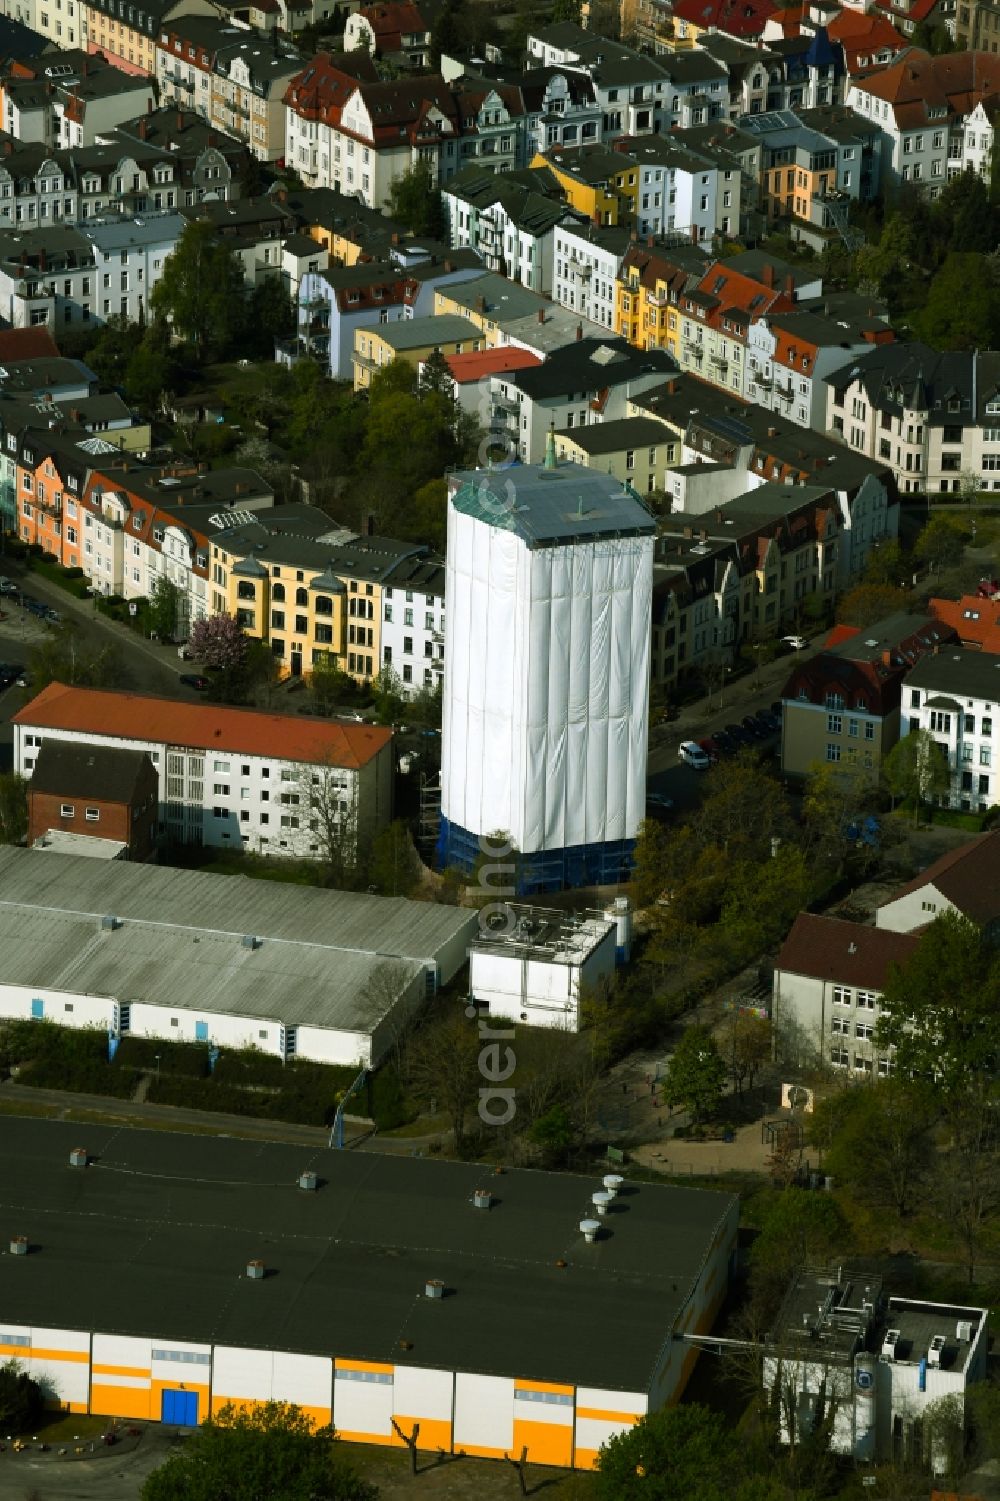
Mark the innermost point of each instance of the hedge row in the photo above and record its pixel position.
(70, 579)
(188, 1058)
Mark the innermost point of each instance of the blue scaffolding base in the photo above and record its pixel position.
(602, 864)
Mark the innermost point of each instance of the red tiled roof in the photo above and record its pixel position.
(846, 953)
(977, 621)
(734, 17)
(391, 22)
(917, 82)
(480, 362)
(128, 716)
(966, 877)
(840, 633)
(26, 344)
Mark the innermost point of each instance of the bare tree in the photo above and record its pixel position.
(443, 1066)
(329, 801)
(382, 1001)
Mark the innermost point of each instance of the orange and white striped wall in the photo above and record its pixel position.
(242, 1377)
(157, 1380)
(59, 1359)
(366, 1401)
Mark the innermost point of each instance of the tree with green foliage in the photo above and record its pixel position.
(13, 808)
(795, 1227)
(866, 603)
(21, 1400)
(961, 309)
(414, 197)
(329, 687)
(388, 698)
(941, 542)
(679, 1452)
(762, 902)
(201, 291)
(696, 1073)
(933, 37)
(394, 868)
(915, 770)
(268, 1452)
(886, 564)
(939, 1012)
(150, 372)
(896, 1113)
(163, 609)
(271, 316)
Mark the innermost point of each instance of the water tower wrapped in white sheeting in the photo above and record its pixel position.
(546, 682)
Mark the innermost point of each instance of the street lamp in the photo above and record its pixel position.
(156, 1060)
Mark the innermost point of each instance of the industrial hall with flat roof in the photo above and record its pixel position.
(162, 1276)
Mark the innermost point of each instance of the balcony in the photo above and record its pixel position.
(695, 350)
(721, 360)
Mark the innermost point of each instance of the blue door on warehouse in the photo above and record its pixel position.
(201, 1031)
(179, 1407)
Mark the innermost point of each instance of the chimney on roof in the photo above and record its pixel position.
(649, 242)
(149, 105)
(671, 388)
(703, 535)
(480, 304)
(689, 532)
(541, 315)
(790, 285)
(772, 432)
(179, 120)
(767, 275)
(595, 218)
(634, 236)
(43, 260)
(8, 147)
(142, 129)
(394, 237)
(579, 331)
(449, 265)
(693, 231)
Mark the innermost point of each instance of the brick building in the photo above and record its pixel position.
(94, 792)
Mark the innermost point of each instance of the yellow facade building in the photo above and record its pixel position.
(636, 450)
(413, 340)
(597, 182)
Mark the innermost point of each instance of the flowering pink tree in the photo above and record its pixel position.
(219, 642)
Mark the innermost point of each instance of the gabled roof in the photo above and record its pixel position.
(466, 368)
(133, 716)
(966, 877)
(976, 620)
(920, 87)
(101, 772)
(845, 953)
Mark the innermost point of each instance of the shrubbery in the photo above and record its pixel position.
(70, 579)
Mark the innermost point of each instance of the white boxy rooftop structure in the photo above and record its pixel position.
(881, 1363)
(292, 970)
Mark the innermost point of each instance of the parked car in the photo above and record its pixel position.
(691, 753)
(710, 748)
(738, 733)
(52, 615)
(777, 708)
(752, 727)
(724, 742)
(7, 586)
(195, 680)
(657, 803)
(796, 643)
(24, 680)
(770, 723)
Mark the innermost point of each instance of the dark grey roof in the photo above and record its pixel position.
(611, 437)
(95, 771)
(951, 388)
(590, 365)
(970, 674)
(178, 1217)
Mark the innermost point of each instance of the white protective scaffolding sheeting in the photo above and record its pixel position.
(546, 685)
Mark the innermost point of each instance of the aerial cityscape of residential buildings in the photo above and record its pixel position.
(499, 864)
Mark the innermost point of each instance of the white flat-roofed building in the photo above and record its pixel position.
(539, 966)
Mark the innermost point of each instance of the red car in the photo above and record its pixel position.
(710, 748)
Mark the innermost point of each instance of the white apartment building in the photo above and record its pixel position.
(789, 356)
(510, 227)
(955, 696)
(413, 618)
(680, 191)
(230, 778)
(934, 418)
(586, 261)
(930, 113)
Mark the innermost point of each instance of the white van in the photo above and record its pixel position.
(693, 755)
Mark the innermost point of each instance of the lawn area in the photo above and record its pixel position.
(458, 1478)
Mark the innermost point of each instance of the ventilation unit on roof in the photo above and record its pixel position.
(19, 1245)
(590, 1230)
